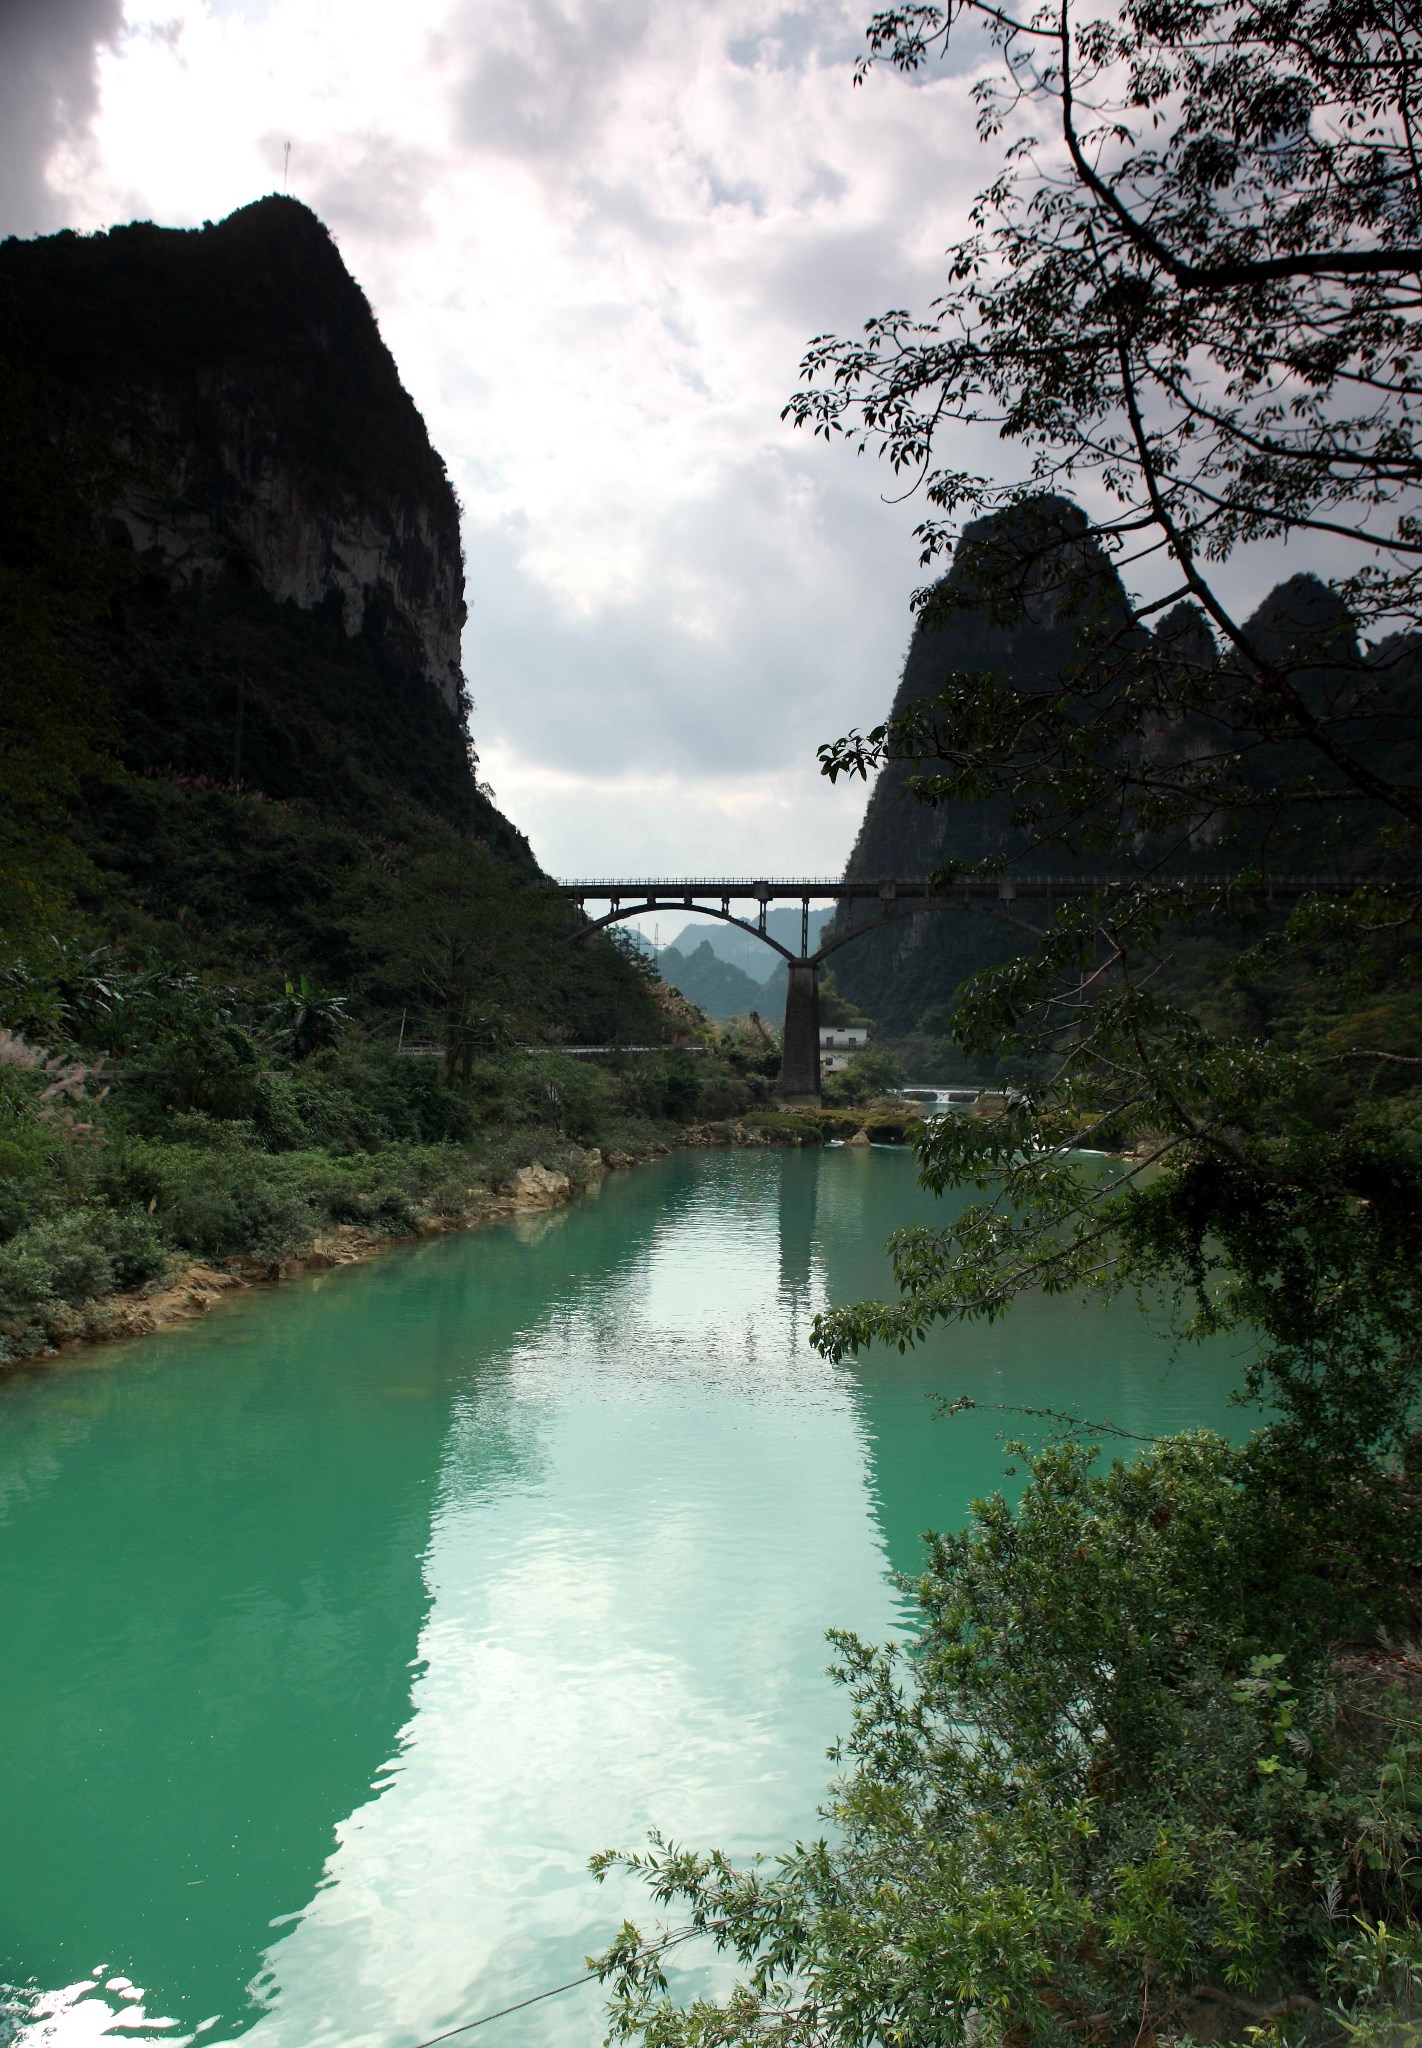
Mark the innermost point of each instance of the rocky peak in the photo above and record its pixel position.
(257, 420)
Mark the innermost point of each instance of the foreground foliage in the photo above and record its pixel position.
(1153, 1769)
(1128, 1784)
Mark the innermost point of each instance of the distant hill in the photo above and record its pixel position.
(728, 972)
(717, 987)
(742, 949)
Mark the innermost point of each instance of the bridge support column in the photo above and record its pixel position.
(800, 1054)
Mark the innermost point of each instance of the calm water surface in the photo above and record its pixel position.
(342, 1627)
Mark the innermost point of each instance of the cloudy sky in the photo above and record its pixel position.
(597, 234)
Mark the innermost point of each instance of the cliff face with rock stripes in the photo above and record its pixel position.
(281, 539)
(254, 419)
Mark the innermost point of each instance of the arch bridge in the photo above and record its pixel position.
(870, 905)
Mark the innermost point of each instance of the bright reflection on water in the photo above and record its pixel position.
(342, 1627)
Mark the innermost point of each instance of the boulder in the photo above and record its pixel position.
(539, 1187)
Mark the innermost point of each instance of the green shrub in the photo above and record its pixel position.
(683, 1092)
(1125, 1760)
(778, 1124)
(72, 1250)
(224, 1215)
(569, 1094)
(26, 1278)
(20, 1204)
(132, 1172)
(218, 1076)
(17, 1162)
(75, 1256)
(25, 1177)
(133, 1244)
(386, 1205)
(664, 1086)
(864, 1075)
(213, 1134)
(719, 1095)
(276, 1112)
(451, 1197)
(358, 1098)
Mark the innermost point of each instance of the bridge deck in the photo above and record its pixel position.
(894, 896)
(686, 888)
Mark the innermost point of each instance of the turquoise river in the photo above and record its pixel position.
(341, 1628)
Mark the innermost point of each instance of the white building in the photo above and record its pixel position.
(838, 1042)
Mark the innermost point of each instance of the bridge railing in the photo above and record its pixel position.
(1004, 885)
(738, 885)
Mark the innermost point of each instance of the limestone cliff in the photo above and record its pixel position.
(252, 421)
(271, 594)
(200, 507)
(906, 977)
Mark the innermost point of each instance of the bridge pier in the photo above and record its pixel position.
(800, 1045)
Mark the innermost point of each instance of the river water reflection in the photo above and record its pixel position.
(341, 1628)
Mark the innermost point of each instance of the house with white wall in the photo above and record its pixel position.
(838, 1044)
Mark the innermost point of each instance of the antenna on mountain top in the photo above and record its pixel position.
(286, 167)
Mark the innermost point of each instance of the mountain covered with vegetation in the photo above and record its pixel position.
(717, 986)
(727, 972)
(246, 864)
(235, 588)
(909, 973)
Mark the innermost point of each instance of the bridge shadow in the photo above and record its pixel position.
(799, 1222)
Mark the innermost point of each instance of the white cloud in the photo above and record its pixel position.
(633, 823)
(597, 237)
(48, 93)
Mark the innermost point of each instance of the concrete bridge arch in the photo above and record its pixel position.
(883, 902)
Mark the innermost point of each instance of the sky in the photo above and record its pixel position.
(598, 235)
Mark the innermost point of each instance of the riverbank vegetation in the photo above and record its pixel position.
(154, 1117)
(1152, 1771)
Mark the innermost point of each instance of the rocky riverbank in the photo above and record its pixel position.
(184, 1295)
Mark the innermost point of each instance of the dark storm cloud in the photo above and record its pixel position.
(48, 93)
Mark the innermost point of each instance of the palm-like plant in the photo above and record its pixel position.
(307, 1019)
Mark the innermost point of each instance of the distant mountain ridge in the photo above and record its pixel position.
(742, 948)
(727, 972)
(718, 987)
